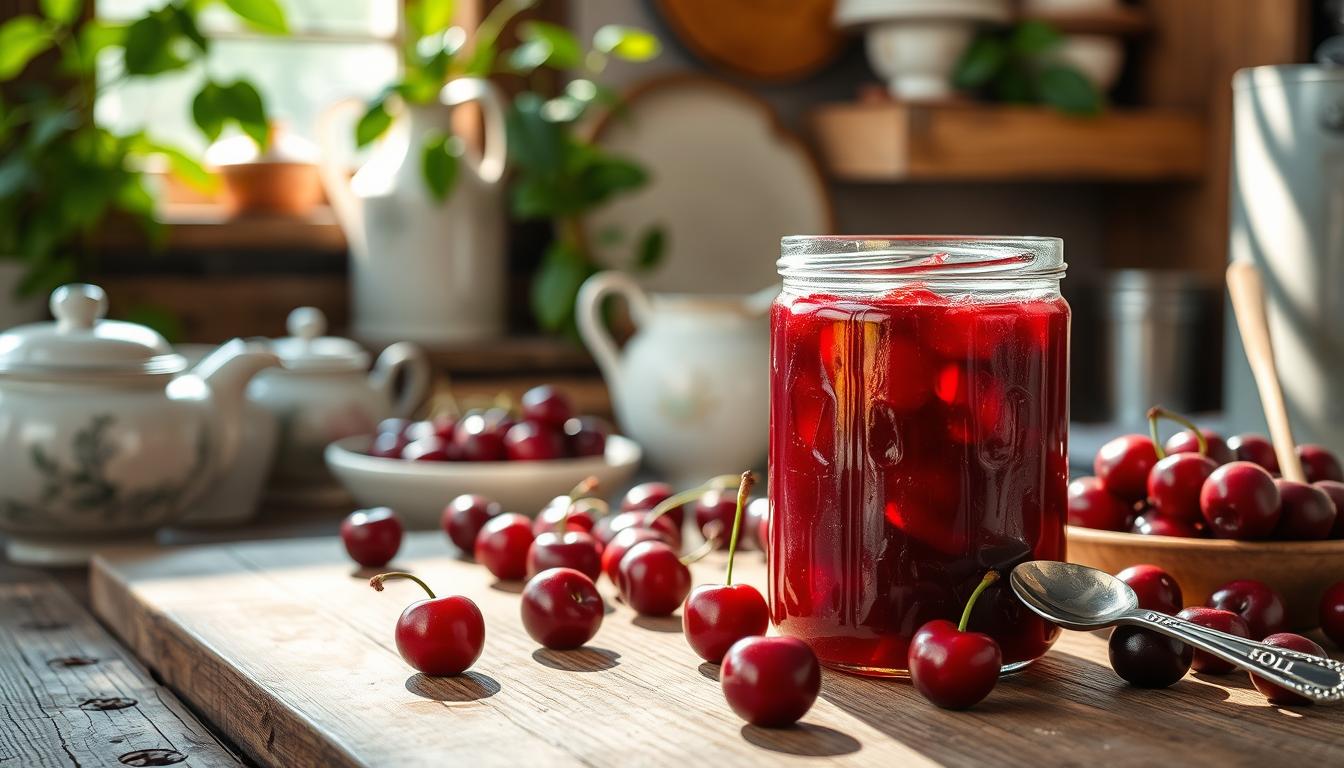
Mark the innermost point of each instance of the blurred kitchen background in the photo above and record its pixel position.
(1107, 123)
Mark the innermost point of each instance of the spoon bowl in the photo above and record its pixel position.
(1073, 596)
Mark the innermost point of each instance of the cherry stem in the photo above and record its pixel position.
(1156, 413)
(710, 543)
(579, 493)
(377, 581)
(743, 491)
(990, 578)
(685, 497)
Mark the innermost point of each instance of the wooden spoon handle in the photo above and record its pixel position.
(1248, 303)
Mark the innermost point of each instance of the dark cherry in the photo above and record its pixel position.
(1306, 512)
(1276, 694)
(620, 544)
(1240, 501)
(1255, 602)
(1122, 466)
(587, 435)
(444, 427)
(572, 549)
(1092, 506)
(1174, 485)
(498, 421)
(561, 608)
(758, 522)
(533, 441)
(1147, 659)
(577, 515)
(1255, 449)
(1150, 524)
(770, 682)
(714, 514)
(441, 636)
(652, 579)
(1336, 493)
(646, 496)
(664, 525)
(429, 448)
(464, 517)
(547, 405)
(371, 536)
(503, 544)
(1332, 613)
(951, 667)
(1157, 589)
(1223, 621)
(1186, 442)
(478, 439)
(1319, 463)
(387, 445)
(717, 615)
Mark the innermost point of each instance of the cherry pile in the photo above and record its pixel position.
(543, 428)
(1197, 485)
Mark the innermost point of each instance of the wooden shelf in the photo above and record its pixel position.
(1119, 21)
(209, 227)
(895, 141)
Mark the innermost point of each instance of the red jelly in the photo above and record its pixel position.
(919, 430)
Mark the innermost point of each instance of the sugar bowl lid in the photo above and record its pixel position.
(306, 349)
(80, 341)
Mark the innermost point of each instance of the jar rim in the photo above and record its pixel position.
(926, 258)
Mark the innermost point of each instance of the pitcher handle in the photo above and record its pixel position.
(398, 357)
(588, 313)
(495, 152)
(335, 177)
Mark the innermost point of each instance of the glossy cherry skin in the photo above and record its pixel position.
(393, 427)
(464, 517)
(620, 544)
(652, 579)
(664, 525)
(1306, 513)
(714, 511)
(1276, 694)
(1255, 602)
(1157, 589)
(387, 445)
(1256, 449)
(1223, 621)
(716, 616)
(1332, 613)
(1122, 466)
(1185, 442)
(371, 536)
(561, 608)
(533, 441)
(547, 405)
(1146, 659)
(441, 637)
(770, 682)
(431, 448)
(1174, 484)
(503, 544)
(586, 435)
(953, 669)
(1240, 501)
(477, 439)
(1092, 506)
(646, 496)
(756, 522)
(1319, 463)
(1336, 493)
(572, 549)
(1155, 525)
(580, 518)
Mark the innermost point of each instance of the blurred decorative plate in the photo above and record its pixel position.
(761, 39)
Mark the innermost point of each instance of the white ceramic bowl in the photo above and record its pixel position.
(419, 490)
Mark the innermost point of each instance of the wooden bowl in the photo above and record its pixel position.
(1299, 570)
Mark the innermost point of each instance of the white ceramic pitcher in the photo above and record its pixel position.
(692, 386)
(422, 270)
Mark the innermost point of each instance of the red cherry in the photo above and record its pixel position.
(561, 608)
(441, 636)
(464, 517)
(1092, 506)
(1122, 466)
(758, 522)
(718, 615)
(652, 579)
(572, 549)
(1175, 482)
(714, 514)
(1223, 621)
(393, 427)
(1216, 447)
(387, 445)
(587, 436)
(1240, 501)
(1336, 493)
(1157, 589)
(663, 525)
(444, 427)
(478, 439)
(1332, 613)
(1149, 524)
(1260, 606)
(770, 682)
(429, 449)
(503, 544)
(1277, 694)
(646, 496)
(951, 667)
(1306, 512)
(534, 441)
(1255, 449)
(1319, 463)
(371, 536)
(618, 546)
(419, 430)
(577, 515)
(547, 405)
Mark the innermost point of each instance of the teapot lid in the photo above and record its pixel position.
(80, 341)
(306, 349)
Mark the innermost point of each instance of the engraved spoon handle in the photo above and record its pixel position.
(1317, 678)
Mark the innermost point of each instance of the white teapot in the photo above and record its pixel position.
(692, 386)
(103, 433)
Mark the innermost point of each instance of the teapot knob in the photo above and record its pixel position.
(78, 305)
(306, 323)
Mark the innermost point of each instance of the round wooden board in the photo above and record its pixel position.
(760, 39)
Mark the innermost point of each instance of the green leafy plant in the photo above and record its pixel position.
(62, 175)
(1020, 65)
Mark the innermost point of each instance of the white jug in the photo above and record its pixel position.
(423, 270)
(692, 386)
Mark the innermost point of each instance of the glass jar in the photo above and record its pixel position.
(918, 438)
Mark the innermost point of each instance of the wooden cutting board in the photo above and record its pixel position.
(283, 647)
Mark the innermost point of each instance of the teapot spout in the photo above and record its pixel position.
(226, 373)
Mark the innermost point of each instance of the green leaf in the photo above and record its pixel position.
(61, 11)
(94, 37)
(241, 103)
(207, 110)
(51, 125)
(1068, 90)
(186, 167)
(482, 60)
(981, 62)
(561, 48)
(556, 284)
(438, 164)
(1032, 38)
(15, 175)
(1014, 85)
(265, 15)
(651, 247)
(149, 49)
(429, 17)
(21, 38)
(373, 123)
(607, 176)
(535, 144)
(629, 43)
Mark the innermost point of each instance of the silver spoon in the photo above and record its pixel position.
(1082, 598)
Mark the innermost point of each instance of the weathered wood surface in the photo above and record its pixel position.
(71, 696)
(284, 648)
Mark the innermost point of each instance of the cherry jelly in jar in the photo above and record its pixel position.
(918, 438)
